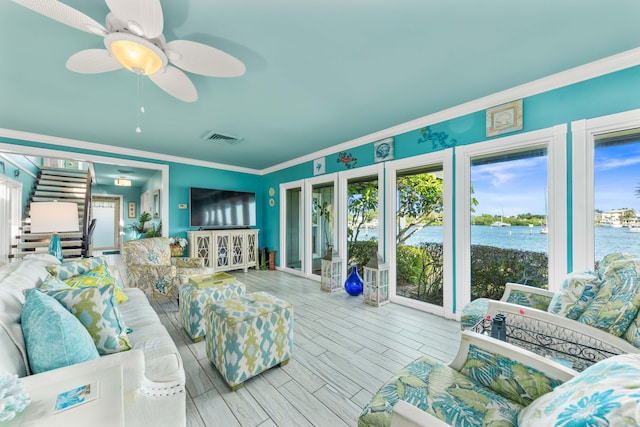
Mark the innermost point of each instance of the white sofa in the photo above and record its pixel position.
(153, 374)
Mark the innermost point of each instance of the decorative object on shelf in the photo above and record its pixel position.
(319, 166)
(504, 118)
(383, 150)
(353, 284)
(13, 397)
(331, 271)
(54, 217)
(177, 245)
(376, 282)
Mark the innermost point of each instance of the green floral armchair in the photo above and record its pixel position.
(493, 383)
(593, 315)
(152, 269)
(489, 383)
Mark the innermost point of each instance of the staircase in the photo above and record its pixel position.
(63, 185)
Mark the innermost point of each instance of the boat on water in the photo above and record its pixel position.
(544, 229)
(500, 224)
(634, 229)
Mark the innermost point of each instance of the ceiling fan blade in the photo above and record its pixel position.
(62, 13)
(143, 17)
(175, 83)
(202, 59)
(92, 61)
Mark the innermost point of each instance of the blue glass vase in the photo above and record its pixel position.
(353, 284)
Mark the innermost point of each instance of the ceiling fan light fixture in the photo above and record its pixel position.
(136, 54)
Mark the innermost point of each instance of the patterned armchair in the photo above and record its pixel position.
(491, 382)
(152, 269)
(593, 316)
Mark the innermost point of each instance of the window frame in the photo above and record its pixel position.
(554, 139)
(583, 138)
(444, 158)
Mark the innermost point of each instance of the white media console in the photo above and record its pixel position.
(225, 249)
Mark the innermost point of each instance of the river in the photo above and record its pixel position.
(608, 239)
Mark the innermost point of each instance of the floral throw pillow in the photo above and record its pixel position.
(605, 394)
(575, 294)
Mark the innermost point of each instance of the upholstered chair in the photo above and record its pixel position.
(151, 268)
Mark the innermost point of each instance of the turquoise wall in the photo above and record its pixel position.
(600, 96)
(182, 177)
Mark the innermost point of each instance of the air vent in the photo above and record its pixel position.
(220, 137)
(126, 171)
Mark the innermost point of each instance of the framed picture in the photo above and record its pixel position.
(318, 166)
(504, 118)
(156, 204)
(132, 210)
(383, 150)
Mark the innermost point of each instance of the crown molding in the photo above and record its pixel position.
(611, 64)
(111, 150)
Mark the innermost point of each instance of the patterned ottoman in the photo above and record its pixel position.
(248, 335)
(193, 302)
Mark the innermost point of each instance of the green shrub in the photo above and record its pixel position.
(360, 252)
(408, 264)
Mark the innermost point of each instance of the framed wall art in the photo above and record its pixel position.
(504, 118)
(318, 166)
(131, 213)
(383, 150)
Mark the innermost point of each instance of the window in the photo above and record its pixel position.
(507, 189)
(616, 194)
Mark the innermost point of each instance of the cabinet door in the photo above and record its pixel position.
(251, 253)
(237, 249)
(222, 251)
(202, 247)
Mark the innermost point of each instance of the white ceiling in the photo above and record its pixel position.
(318, 73)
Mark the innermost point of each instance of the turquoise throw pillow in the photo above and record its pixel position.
(54, 337)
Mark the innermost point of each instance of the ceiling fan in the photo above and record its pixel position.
(133, 40)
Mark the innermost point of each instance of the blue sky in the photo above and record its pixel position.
(518, 186)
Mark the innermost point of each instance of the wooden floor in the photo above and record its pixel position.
(344, 351)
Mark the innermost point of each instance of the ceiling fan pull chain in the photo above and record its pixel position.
(140, 103)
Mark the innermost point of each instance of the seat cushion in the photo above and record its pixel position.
(442, 392)
(162, 361)
(605, 394)
(63, 342)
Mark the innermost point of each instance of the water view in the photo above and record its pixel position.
(608, 239)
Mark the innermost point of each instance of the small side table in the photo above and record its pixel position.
(104, 411)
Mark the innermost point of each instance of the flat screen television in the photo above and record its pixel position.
(212, 208)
